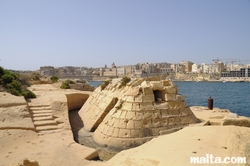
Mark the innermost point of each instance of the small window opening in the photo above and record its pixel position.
(159, 95)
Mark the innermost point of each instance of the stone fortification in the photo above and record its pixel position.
(122, 117)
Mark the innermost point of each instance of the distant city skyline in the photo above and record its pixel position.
(94, 33)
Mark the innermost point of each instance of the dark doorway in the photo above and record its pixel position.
(159, 95)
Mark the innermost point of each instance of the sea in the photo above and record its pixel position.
(234, 96)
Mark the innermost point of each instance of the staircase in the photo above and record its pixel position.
(43, 118)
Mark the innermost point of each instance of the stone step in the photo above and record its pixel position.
(215, 122)
(48, 127)
(42, 118)
(35, 105)
(45, 122)
(40, 108)
(43, 132)
(42, 114)
(41, 111)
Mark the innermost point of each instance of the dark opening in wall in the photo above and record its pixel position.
(159, 95)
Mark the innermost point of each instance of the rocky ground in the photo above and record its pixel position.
(50, 140)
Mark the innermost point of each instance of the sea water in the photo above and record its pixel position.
(234, 96)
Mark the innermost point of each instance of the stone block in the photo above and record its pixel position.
(122, 124)
(133, 91)
(171, 121)
(124, 98)
(146, 139)
(136, 107)
(184, 105)
(116, 122)
(115, 132)
(156, 114)
(115, 142)
(116, 113)
(86, 106)
(139, 141)
(94, 94)
(145, 132)
(160, 106)
(127, 106)
(128, 143)
(137, 82)
(111, 121)
(156, 85)
(170, 97)
(155, 131)
(174, 112)
(138, 124)
(171, 89)
(138, 99)
(130, 115)
(164, 113)
(165, 83)
(185, 111)
(124, 133)
(156, 122)
(145, 84)
(109, 131)
(102, 106)
(123, 114)
(101, 128)
(134, 133)
(148, 114)
(107, 99)
(164, 122)
(105, 129)
(130, 99)
(186, 120)
(130, 124)
(147, 90)
(139, 115)
(148, 98)
(174, 104)
(180, 98)
(177, 120)
(147, 106)
(147, 123)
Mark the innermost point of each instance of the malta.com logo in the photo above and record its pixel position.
(210, 159)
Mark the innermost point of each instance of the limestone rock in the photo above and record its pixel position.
(14, 113)
(9, 100)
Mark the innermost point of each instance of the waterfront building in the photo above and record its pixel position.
(177, 67)
(187, 66)
(205, 68)
(240, 74)
(195, 68)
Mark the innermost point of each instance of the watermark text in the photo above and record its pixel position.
(210, 159)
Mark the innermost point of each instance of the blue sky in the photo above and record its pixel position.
(93, 33)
